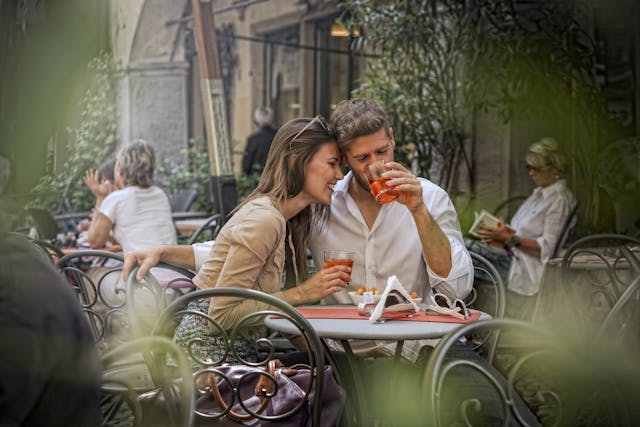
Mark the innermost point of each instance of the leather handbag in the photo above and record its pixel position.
(250, 390)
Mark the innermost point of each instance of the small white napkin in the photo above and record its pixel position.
(399, 300)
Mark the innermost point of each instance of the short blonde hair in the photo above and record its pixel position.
(547, 152)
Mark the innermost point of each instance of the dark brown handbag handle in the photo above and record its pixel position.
(264, 386)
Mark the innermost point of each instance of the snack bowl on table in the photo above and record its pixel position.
(357, 299)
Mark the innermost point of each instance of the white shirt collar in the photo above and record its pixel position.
(550, 189)
(342, 187)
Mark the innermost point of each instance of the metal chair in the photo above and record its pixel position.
(43, 222)
(596, 271)
(488, 292)
(147, 382)
(488, 295)
(623, 320)
(492, 390)
(208, 230)
(184, 199)
(96, 277)
(229, 342)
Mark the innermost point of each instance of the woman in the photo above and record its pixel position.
(302, 167)
(537, 224)
(101, 184)
(137, 213)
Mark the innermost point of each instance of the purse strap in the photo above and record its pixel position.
(264, 387)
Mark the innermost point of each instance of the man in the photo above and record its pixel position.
(417, 238)
(259, 142)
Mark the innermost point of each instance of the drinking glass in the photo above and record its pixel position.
(335, 257)
(379, 188)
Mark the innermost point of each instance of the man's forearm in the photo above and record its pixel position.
(180, 255)
(435, 244)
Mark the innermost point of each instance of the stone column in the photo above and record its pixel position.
(153, 106)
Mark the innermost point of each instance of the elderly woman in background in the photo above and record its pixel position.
(537, 223)
(138, 213)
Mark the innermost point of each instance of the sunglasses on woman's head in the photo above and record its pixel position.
(442, 304)
(318, 119)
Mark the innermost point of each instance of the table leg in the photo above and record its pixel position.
(398, 353)
(358, 384)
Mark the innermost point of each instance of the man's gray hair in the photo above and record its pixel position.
(263, 116)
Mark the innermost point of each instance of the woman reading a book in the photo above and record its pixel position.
(520, 249)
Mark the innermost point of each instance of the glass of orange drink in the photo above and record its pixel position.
(378, 183)
(336, 257)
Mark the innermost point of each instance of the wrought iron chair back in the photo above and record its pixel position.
(233, 346)
(208, 230)
(623, 320)
(486, 275)
(601, 266)
(541, 378)
(184, 199)
(91, 273)
(96, 277)
(487, 295)
(43, 222)
(440, 367)
(147, 381)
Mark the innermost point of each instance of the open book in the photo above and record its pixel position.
(488, 220)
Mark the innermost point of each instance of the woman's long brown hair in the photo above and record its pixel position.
(292, 148)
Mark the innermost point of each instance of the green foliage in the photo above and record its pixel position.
(173, 176)
(246, 184)
(89, 142)
(441, 61)
(417, 78)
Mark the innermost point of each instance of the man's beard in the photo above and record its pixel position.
(361, 182)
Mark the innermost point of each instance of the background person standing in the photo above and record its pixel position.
(259, 142)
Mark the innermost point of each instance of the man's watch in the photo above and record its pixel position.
(514, 241)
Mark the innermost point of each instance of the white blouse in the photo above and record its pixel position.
(540, 217)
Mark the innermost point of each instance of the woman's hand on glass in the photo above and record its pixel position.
(324, 283)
